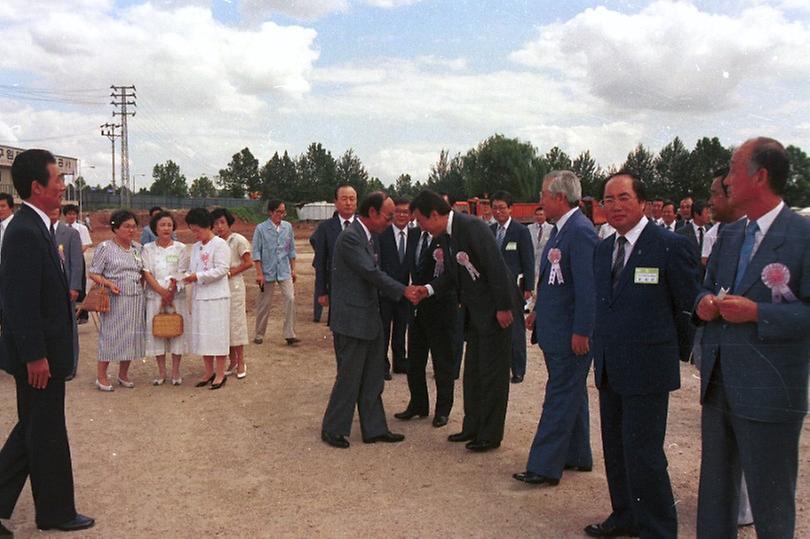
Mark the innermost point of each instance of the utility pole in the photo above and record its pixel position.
(124, 96)
(108, 130)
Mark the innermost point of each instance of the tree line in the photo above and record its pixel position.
(496, 163)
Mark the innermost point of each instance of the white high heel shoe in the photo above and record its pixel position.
(102, 387)
(126, 383)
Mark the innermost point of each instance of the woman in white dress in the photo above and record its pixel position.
(211, 305)
(165, 261)
(240, 261)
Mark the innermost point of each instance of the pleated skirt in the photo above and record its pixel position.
(123, 328)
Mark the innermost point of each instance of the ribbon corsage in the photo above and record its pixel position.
(464, 259)
(556, 276)
(776, 276)
(61, 249)
(438, 256)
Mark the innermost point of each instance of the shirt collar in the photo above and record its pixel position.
(365, 229)
(634, 233)
(450, 223)
(397, 230)
(350, 219)
(7, 220)
(42, 215)
(506, 224)
(767, 220)
(564, 219)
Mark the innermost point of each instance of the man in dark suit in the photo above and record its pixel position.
(694, 230)
(431, 331)
(489, 296)
(397, 248)
(756, 344)
(644, 277)
(685, 212)
(515, 243)
(563, 318)
(38, 350)
(323, 245)
(69, 247)
(357, 283)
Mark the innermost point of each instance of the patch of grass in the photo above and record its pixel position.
(253, 214)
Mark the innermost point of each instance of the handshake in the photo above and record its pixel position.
(416, 293)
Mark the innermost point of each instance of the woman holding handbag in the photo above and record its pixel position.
(164, 262)
(117, 265)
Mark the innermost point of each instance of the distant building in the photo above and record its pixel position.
(67, 166)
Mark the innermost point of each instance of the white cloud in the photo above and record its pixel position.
(310, 9)
(391, 3)
(416, 160)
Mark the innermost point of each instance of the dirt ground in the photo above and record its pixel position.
(247, 460)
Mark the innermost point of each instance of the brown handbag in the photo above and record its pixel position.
(167, 325)
(97, 300)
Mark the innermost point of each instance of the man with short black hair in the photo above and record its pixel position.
(147, 236)
(71, 213)
(668, 216)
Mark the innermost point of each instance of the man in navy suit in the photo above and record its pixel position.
(563, 318)
(397, 248)
(756, 344)
(323, 244)
(644, 277)
(37, 346)
(515, 244)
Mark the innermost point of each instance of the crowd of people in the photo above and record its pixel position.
(722, 283)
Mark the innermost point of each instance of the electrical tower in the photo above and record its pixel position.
(109, 130)
(123, 97)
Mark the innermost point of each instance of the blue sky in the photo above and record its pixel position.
(398, 80)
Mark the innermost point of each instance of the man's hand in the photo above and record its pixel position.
(527, 294)
(707, 309)
(737, 309)
(323, 301)
(505, 318)
(74, 295)
(580, 344)
(530, 320)
(38, 373)
(416, 293)
(260, 279)
(294, 276)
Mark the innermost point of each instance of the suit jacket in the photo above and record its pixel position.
(389, 253)
(356, 285)
(493, 290)
(69, 247)
(441, 307)
(323, 244)
(766, 363)
(635, 341)
(37, 319)
(517, 250)
(564, 309)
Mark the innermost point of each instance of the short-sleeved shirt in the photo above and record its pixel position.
(119, 265)
(165, 263)
(274, 247)
(84, 234)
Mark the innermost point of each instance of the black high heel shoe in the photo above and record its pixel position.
(206, 382)
(219, 385)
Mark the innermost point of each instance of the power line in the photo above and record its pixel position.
(124, 96)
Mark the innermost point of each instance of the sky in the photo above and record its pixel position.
(397, 81)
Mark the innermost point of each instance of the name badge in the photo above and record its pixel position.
(646, 276)
(172, 258)
(511, 246)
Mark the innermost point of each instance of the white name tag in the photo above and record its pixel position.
(511, 246)
(646, 276)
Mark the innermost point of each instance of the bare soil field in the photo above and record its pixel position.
(247, 460)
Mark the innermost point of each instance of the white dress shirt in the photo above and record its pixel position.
(765, 223)
(632, 237)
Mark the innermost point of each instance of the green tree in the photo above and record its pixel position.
(349, 169)
(708, 156)
(241, 176)
(203, 187)
(279, 178)
(502, 163)
(374, 184)
(447, 176)
(317, 173)
(589, 174)
(556, 159)
(672, 168)
(797, 190)
(641, 163)
(168, 180)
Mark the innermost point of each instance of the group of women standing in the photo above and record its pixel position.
(143, 281)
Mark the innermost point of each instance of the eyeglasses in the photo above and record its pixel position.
(621, 199)
(500, 208)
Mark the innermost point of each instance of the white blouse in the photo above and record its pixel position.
(211, 263)
(165, 264)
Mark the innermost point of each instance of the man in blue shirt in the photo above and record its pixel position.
(274, 257)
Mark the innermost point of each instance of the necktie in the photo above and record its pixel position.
(552, 235)
(700, 237)
(423, 245)
(540, 234)
(374, 253)
(618, 264)
(345, 224)
(401, 248)
(53, 235)
(746, 251)
(500, 235)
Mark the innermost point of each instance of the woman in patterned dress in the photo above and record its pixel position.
(118, 266)
(211, 305)
(240, 261)
(165, 261)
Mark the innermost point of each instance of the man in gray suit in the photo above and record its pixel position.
(69, 246)
(755, 305)
(356, 284)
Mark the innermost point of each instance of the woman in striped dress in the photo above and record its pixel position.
(240, 261)
(117, 265)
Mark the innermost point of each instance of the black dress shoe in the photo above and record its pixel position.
(205, 382)
(219, 385)
(440, 421)
(480, 446)
(334, 440)
(461, 437)
(292, 341)
(408, 414)
(79, 522)
(517, 379)
(578, 468)
(388, 376)
(608, 530)
(388, 438)
(5, 532)
(535, 479)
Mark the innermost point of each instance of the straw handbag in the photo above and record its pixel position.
(97, 300)
(167, 325)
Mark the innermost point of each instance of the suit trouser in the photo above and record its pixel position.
(359, 382)
(426, 335)
(486, 383)
(397, 314)
(633, 430)
(75, 338)
(458, 342)
(563, 435)
(38, 447)
(767, 453)
(519, 345)
(317, 308)
(263, 308)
